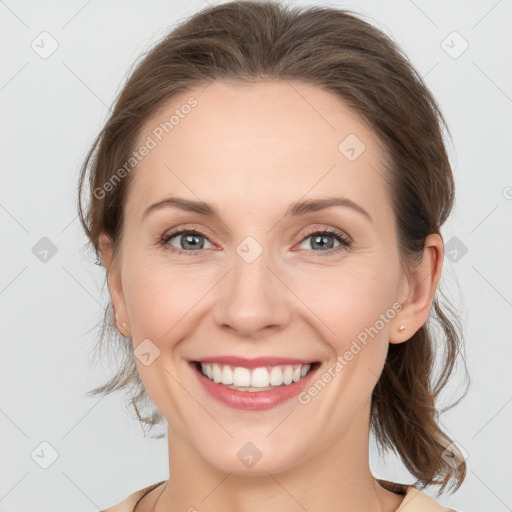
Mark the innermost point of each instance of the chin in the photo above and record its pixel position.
(252, 459)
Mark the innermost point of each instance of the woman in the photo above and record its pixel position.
(266, 199)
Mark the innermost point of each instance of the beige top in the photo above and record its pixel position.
(414, 499)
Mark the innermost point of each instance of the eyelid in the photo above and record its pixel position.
(324, 228)
(345, 241)
(180, 228)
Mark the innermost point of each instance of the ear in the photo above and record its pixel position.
(115, 285)
(418, 292)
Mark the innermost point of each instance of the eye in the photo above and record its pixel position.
(194, 239)
(322, 239)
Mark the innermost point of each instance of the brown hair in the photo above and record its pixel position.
(336, 50)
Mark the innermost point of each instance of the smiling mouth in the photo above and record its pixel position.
(255, 379)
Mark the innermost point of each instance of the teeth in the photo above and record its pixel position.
(276, 376)
(241, 376)
(288, 375)
(260, 378)
(217, 373)
(227, 375)
(256, 379)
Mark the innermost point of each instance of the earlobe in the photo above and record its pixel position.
(124, 330)
(423, 283)
(400, 334)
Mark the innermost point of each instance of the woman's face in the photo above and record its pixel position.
(262, 279)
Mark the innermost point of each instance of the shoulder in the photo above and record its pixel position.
(416, 500)
(128, 504)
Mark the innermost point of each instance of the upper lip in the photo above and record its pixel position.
(253, 363)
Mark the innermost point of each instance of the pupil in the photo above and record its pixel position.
(187, 240)
(188, 237)
(323, 237)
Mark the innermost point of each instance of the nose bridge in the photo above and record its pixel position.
(251, 296)
(251, 280)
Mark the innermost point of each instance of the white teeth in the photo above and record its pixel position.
(276, 376)
(260, 378)
(241, 376)
(217, 373)
(227, 375)
(288, 375)
(263, 377)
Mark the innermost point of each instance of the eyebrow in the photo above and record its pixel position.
(294, 210)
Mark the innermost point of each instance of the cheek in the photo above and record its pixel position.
(162, 300)
(350, 304)
(351, 308)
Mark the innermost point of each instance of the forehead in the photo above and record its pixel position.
(255, 145)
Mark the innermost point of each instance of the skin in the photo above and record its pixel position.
(251, 150)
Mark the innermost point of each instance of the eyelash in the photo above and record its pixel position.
(345, 243)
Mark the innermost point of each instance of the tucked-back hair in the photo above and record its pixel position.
(336, 50)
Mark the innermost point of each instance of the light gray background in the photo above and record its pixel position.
(52, 109)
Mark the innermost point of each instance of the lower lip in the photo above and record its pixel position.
(253, 400)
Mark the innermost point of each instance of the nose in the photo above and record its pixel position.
(253, 298)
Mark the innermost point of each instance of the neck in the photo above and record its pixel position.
(338, 478)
